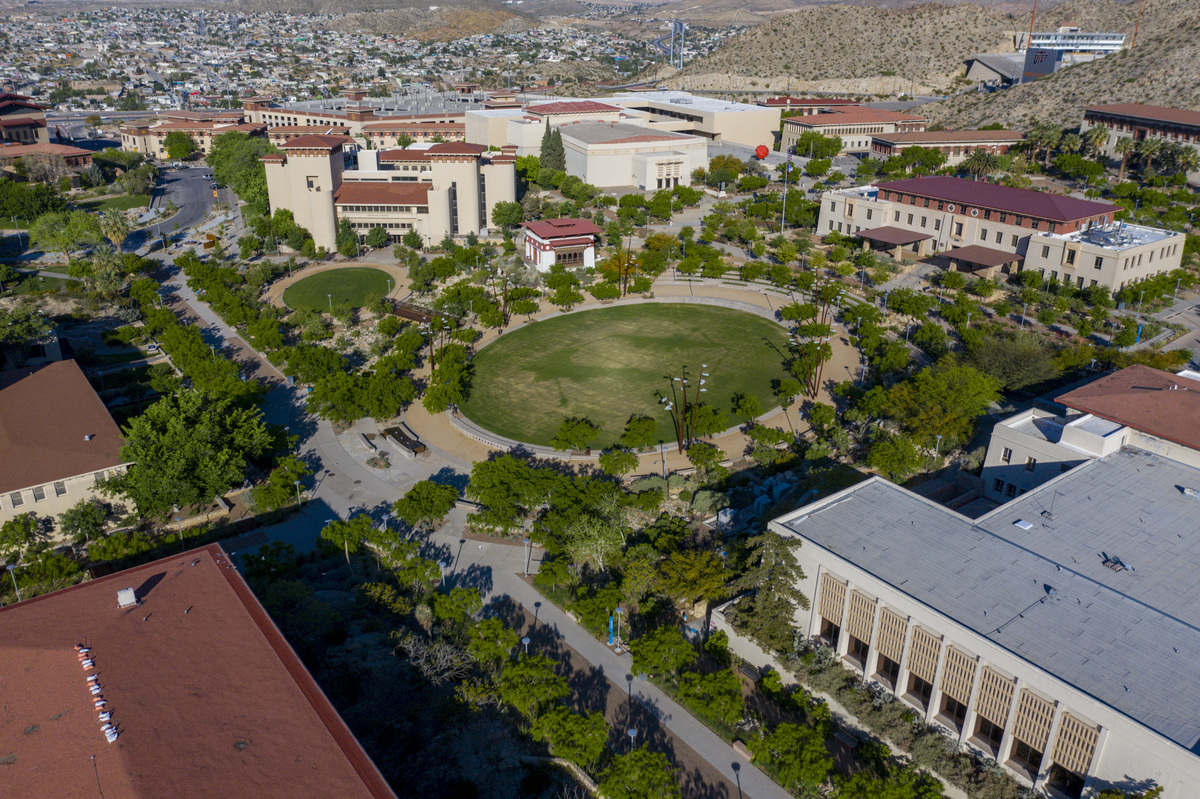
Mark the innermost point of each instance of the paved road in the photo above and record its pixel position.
(189, 189)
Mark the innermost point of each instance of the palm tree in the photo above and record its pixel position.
(981, 163)
(1070, 143)
(1148, 150)
(115, 227)
(1124, 146)
(1045, 138)
(1187, 159)
(1095, 138)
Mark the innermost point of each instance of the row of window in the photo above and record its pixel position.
(382, 209)
(18, 499)
(384, 225)
(1006, 457)
(1001, 216)
(964, 682)
(1159, 130)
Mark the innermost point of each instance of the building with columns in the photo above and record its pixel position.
(437, 190)
(1051, 634)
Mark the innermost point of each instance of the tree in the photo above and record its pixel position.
(280, 486)
(641, 774)
(595, 541)
(507, 214)
(16, 534)
(349, 534)
(817, 167)
(529, 683)
(575, 433)
(981, 163)
(377, 237)
(798, 754)
(115, 227)
(717, 695)
(811, 144)
(425, 502)
(1015, 360)
(179, 145)
(640, 432)
(693, 575)
(618, 461)
(1123, 147)
(895, 457)
(234, 159)
(945, 399)
(64, 232)
(490, 643)
(578, 737)
(704, 457)
(186, 449)
(747, 406)
(20, 327)
(553, 156)
(662, 652)
(772, 573)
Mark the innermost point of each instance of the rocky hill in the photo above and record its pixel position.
(855, 50)
(440, 20)
(1163, 69)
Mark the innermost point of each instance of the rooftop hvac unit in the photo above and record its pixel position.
(126, 598)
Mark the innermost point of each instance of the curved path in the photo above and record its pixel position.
(342, 484)
(398, 274)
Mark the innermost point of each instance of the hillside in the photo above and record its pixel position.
(420, 19)
(1163, 69)
(854, 49)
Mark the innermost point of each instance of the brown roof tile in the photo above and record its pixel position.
(1001, 198)
(1150, 400)
(1178, 116)
(366, 193)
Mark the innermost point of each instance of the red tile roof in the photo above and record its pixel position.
(982, 256)
(572, 107)
(952, 137)
(369, 193)
(22, 122)
(205, 693)
(893, 235)
(1145, 399)
(45, 412)
(855, 115)
(1001, 198)
(14, 150)
(314, 143)
(805, 102)
(457, 148)
(561, 228)
(1177, 116)
(403, 155)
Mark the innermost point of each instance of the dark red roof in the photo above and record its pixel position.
(45, 412)
(1176, 116)
(314, 143)
(204, 691)
(805, 102)
(403, 155)
(983, 256)
(457, 148)
(561, 228)
(22, 122)
(1149, 400)
(364, 193)
(572, 107)
(979, 193)
(893, 235)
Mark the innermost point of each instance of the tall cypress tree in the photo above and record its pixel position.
(547, 137)
(558, 154)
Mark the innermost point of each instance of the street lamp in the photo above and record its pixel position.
(525, 641)
(330, 296)
(389, 286)
(938, 446)
(1023, 307)
(1140, 296)
(526, 542)
(632, 737)
(1175, 293)
(12, 573)
(299, 502)
(619, 612)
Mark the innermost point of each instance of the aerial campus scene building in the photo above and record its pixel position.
(500, 401)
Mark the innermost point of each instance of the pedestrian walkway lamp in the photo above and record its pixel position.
(179, 529)
(620, 612)
(526, 542)
(1140, 296)
(632, 737)
(938, 446)
(330, 296)
(525, 641)
(12, 573)
(299, 502)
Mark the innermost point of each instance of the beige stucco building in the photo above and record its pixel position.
(855, 125)
(56, 440)
(150, 140)
(1051, 641)
(956, 145)
(443, 189)
(995, 228)
(610, 154)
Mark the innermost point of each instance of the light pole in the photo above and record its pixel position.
(179, 529)
(299, 502)
(525, 641)
(389, 287)
(1023, 308)
(938, 446)
(330, 296)
(1140, 296)
(526, 542)
(619, 612)
(632, 737)
(12, 573)
(1175, 293)
(968, 319)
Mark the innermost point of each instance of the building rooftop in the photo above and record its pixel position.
(45, 412)
(561, 228)
(686, 99)
(1116, 538)
(573, 107)
(804, 102)
(315, 142)
(951, 137)
(43, 148)
(853, 115)
(367, 193)
(1177, 116)
(619, 133)
(978, 193)
(205, 694)
(1150, 400)
(1115, 235)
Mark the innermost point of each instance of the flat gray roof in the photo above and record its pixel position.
(604, 132)
(1129, 638)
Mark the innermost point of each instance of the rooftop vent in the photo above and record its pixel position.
(126, 598)
(1024, 525)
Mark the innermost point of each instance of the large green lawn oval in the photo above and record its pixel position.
(607, 364)
(351, 285)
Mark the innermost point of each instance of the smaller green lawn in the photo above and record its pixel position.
(35, 284)
(347, 286)
(122, 203)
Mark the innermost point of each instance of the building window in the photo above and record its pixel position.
(39, 494)
(830, 632)
(1006, 455)
(895, 216)
(953, 711)
(1068, 783)
(999, 236)
(1099, 261)
(1070, 256)
(919, 690)
(910, 219)
(60, 489)
(983, 234)
(1026, 757)
(857, 651)
(989, 734)
(869, 212)
(1010, 490)
(889, 670)
(998, 486)
(16, 499)
(923, 220)
(832, 206)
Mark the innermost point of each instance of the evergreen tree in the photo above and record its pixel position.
(767, 613)
(553, 155)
